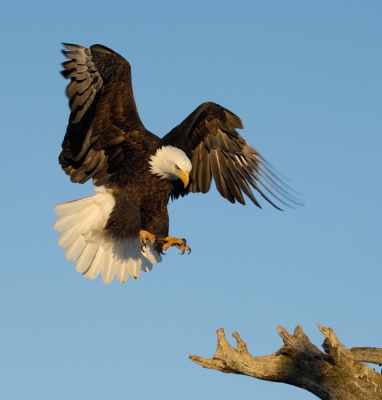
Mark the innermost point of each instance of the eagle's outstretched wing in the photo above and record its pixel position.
(104, 123)
(217, 151)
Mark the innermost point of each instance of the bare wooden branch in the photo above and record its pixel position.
(368, 354)
(336, 374)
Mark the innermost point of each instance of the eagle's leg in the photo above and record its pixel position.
(178, 243)
(146, 236)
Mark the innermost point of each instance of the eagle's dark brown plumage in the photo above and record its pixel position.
(124, 228)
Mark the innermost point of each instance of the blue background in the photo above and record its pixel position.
(305, 78)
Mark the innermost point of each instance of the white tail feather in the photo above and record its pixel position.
(81, 226)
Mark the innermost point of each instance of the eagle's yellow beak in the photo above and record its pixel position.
(184, 177)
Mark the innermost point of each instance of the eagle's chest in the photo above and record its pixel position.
(141, 203)
(151, 188)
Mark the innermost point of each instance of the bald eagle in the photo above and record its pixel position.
(124, 228)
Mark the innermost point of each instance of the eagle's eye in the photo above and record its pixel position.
(177, 168)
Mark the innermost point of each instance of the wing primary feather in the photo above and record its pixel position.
(91, 161)
(78, 86)
(231, 185)
(237, 180)
(280, 183)
(256, 187)
(204, 170)
(79, 101)
(276, 188)
(219, 180)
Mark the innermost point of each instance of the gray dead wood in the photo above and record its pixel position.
(337, 373)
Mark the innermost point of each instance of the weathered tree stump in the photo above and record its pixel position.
(337, 374)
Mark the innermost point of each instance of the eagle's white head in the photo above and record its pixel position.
(171, 163)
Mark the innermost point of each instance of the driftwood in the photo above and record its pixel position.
(338, 373)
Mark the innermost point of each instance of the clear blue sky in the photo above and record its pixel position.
(305, 78)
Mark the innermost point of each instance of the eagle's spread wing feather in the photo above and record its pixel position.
(217, 151)
(104, 121)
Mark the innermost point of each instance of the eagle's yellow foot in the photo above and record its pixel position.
(146, 236)
(178, 243)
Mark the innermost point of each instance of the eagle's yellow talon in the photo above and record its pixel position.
(146, 236)
(180, 244)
